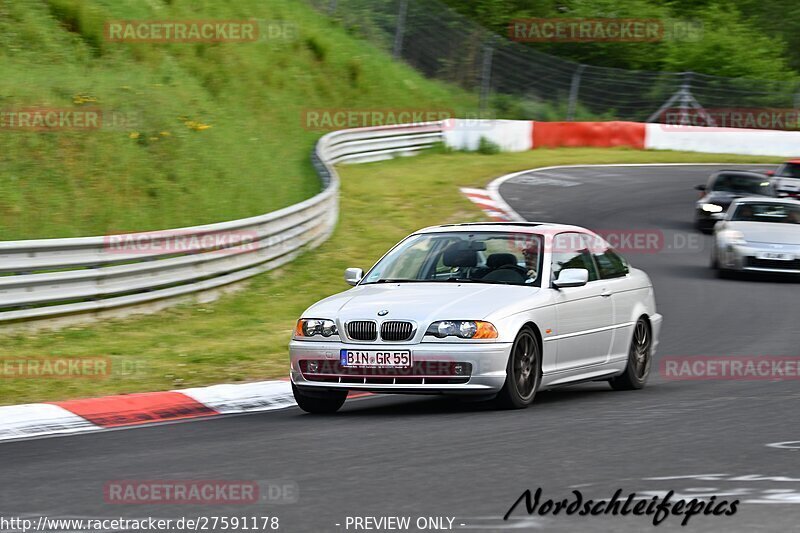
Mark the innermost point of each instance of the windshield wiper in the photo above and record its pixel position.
(398, 280)
(445, 280)
(472, 280)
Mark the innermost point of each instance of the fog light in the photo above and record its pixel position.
(459, 369)
(313, 367)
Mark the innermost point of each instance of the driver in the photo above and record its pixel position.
(744, 213)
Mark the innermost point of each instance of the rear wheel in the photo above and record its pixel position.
(523, 372)
(639, 359)
(322, 401)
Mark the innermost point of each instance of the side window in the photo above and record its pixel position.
(721, 183)
(610, 263)
(570, 251)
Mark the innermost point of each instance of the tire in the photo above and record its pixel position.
(523, 372)
(640, 359)
(698, 225)
(321, 402)
(722, 273)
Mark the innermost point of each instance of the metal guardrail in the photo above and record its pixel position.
(50, 278)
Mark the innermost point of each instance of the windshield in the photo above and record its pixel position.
(780, 213)
(789, 170)
(742, 184)
(480, 257)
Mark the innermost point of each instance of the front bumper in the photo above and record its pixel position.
(745, 258)
(486, 362)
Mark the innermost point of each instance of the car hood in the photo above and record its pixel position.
(425, 302)
(768, 232)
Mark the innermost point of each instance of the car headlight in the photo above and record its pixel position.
(464, 329)
(733, 237)
(311, 327)
(711, 208)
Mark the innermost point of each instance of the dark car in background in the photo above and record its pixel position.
(722, 189)
(787, 179)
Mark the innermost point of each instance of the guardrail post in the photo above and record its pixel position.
(486, 75)
(686, 102)
(573, 92)
(401, 27)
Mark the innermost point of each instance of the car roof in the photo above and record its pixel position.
(793, 161)
(752, 173)
(516, 227)
(766, 200)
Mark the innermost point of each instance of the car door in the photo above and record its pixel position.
(584, 314)
(625, 293)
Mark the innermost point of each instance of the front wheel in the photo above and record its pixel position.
(322, 401)
(523, 372)
(639, 358)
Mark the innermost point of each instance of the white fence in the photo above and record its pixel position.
(59, 277)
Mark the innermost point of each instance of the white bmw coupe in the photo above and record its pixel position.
(488, 310)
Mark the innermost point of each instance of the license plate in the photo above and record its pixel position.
(775, 256)
(376, 359)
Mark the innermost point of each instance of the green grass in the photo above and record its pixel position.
(243, 336)
(163, 170)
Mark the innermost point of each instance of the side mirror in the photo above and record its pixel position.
(769, 173)
(701, 188)
(571, 277)
(353, 276)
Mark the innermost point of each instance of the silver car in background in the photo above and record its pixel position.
(487, 310)
(758, 235)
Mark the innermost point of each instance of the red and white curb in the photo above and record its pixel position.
(94, 414)
(491, 203)
(128, 410)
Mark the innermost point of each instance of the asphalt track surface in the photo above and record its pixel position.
(422, 456)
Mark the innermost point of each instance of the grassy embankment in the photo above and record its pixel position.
(204, 132)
